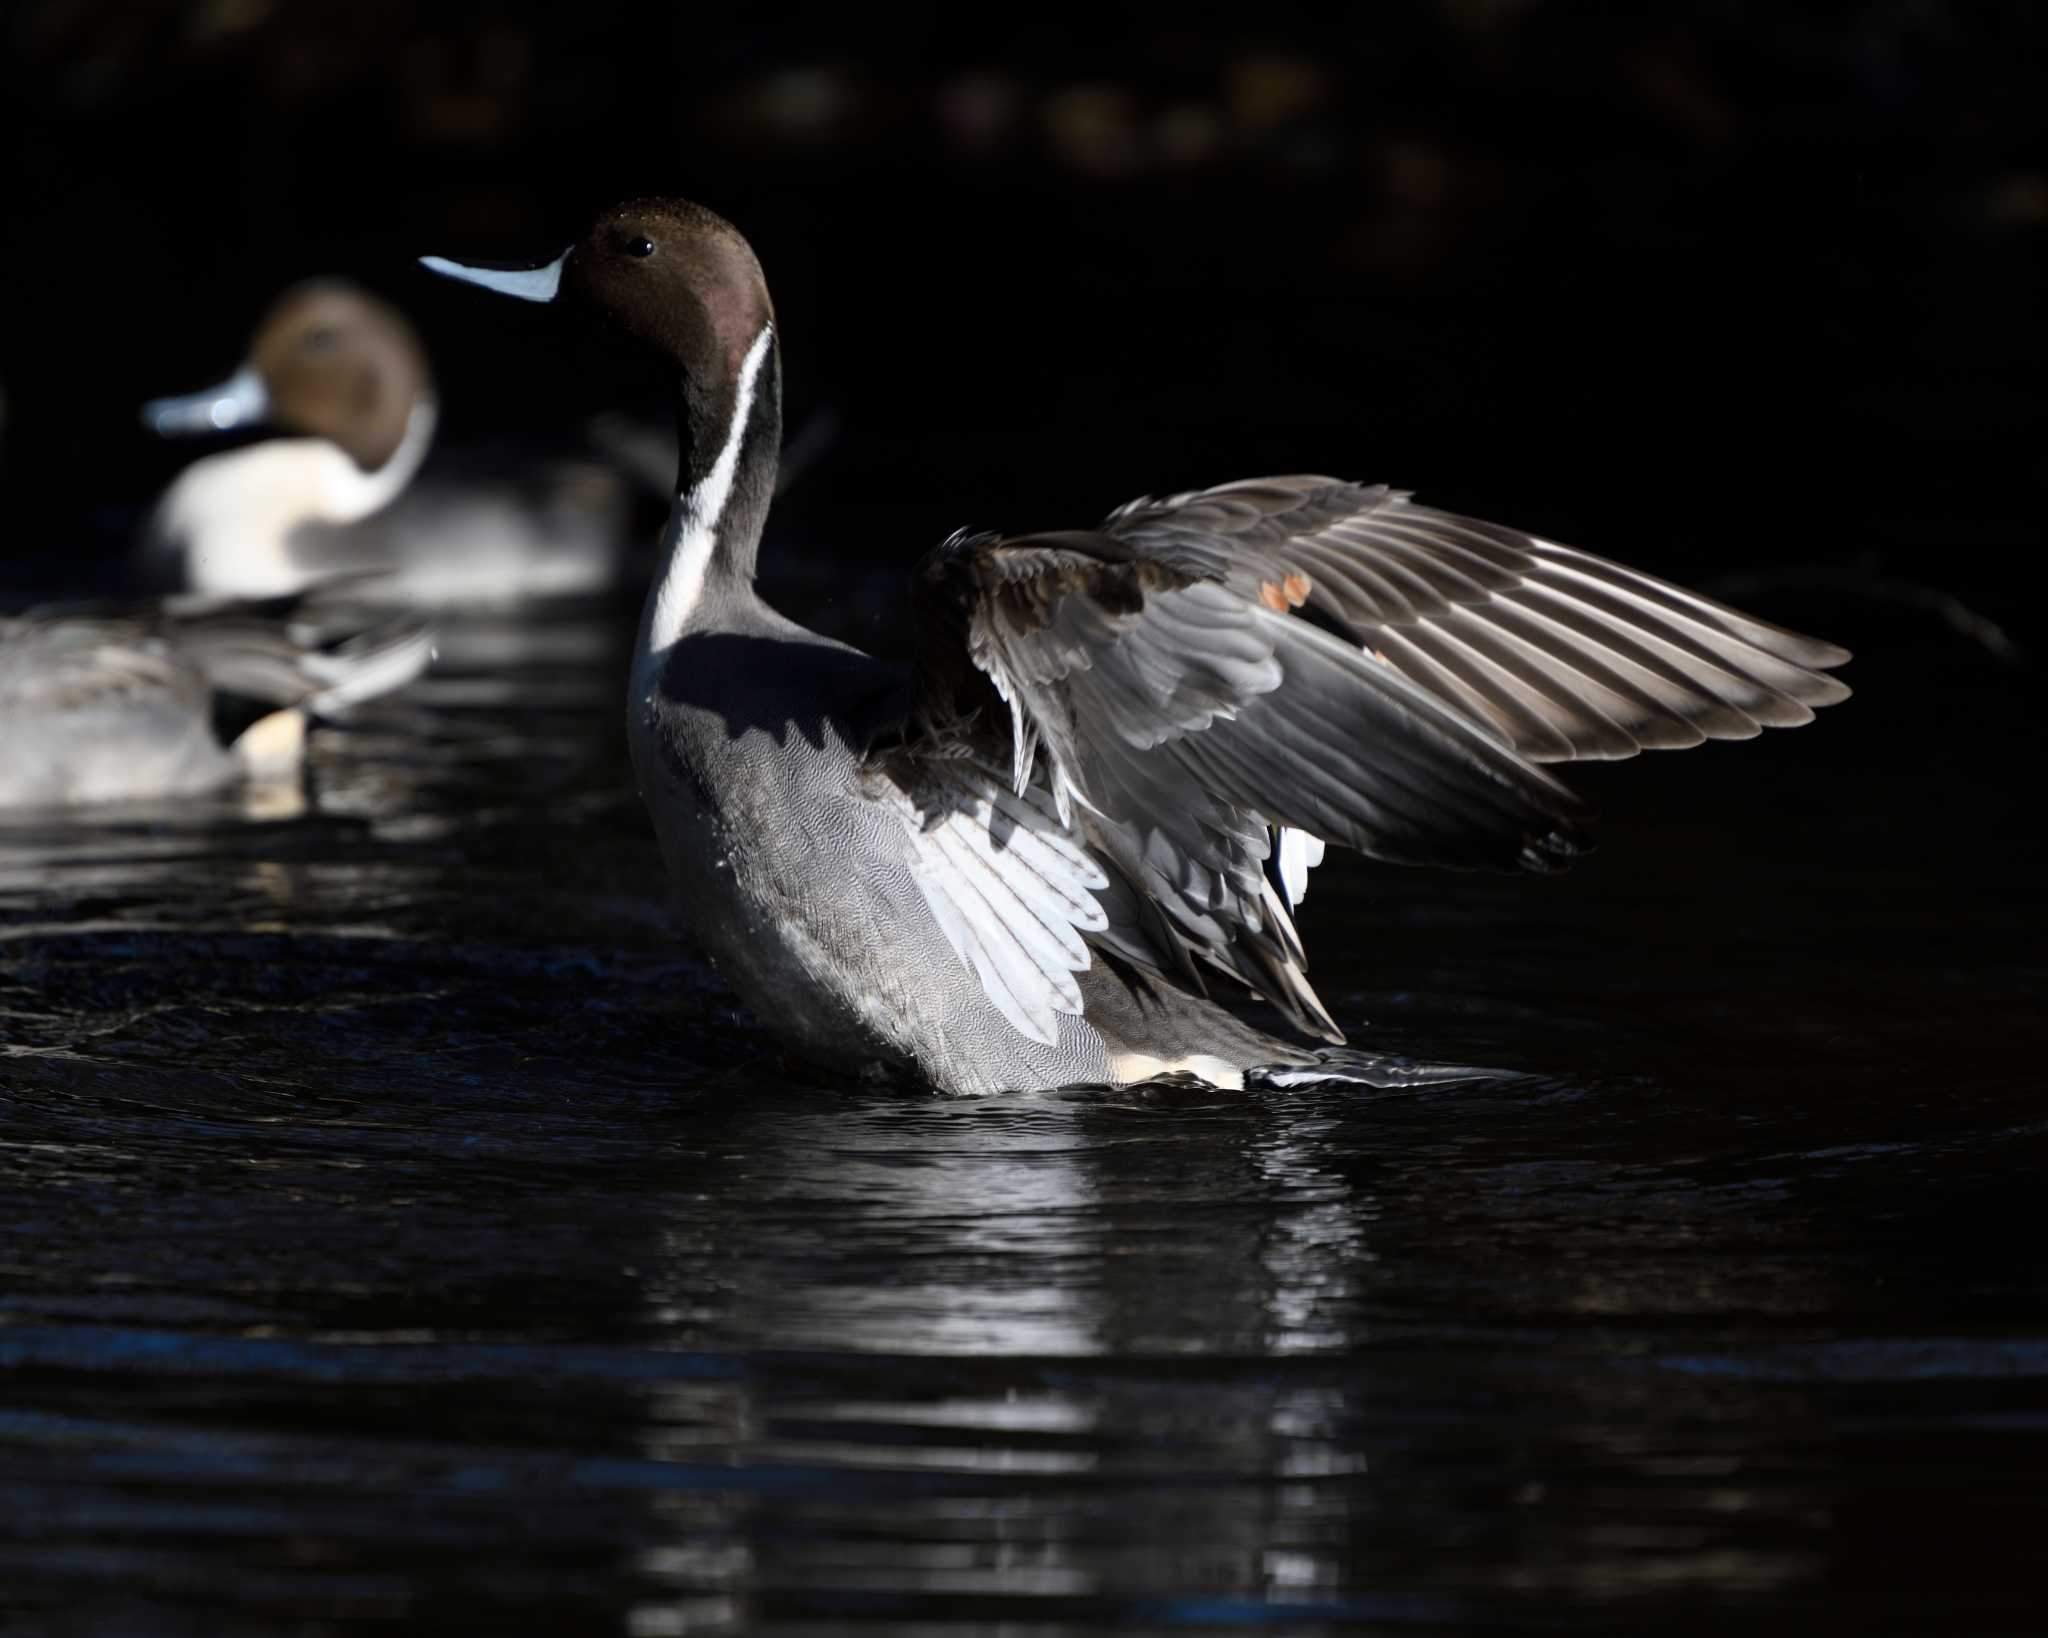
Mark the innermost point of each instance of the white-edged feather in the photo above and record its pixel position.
(1299, 854)
(1008, 885)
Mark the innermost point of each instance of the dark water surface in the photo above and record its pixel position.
(398, 1225)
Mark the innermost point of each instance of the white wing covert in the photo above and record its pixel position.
(1007, 883)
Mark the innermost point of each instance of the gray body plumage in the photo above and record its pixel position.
(749, 741)
(90, 713)
(100, 706)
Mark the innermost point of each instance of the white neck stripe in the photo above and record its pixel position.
(353, 493)
(693, 522)
(231, 515)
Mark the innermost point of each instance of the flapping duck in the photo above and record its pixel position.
(1019, 863)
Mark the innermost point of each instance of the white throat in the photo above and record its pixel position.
(693, 522)
(230, 517)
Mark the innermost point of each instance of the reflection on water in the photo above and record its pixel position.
(397, 1223)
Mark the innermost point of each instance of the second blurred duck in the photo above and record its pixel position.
(170, 699)
(342, 379)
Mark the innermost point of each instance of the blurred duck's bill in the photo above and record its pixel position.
(240, 401)
(527, 283)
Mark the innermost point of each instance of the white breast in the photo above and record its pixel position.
(231, 516)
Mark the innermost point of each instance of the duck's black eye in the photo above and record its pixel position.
(639, 245)
(319, 340)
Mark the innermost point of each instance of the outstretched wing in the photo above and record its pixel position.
(1268, 664)
(1173, 720)
(1565, 655)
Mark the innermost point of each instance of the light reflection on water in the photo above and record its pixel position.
(395, 1222)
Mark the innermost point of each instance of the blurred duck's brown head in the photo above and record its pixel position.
(327, 361)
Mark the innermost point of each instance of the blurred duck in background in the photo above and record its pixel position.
(342, 379)
(181, 697)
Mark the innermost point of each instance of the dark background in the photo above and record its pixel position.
(1736, 1319)
(1747, 298)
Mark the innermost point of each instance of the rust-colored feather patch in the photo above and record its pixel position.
(1282, 595)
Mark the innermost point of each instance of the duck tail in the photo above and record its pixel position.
(279, 651)
(377, 661)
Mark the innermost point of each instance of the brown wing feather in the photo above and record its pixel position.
(1562, 653)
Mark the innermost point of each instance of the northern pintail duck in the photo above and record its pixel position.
(121, 705)
(1013, 863)
(343, 379)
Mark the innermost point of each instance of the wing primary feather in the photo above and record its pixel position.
(1774, 640)
(1541, 691)
(1749, 680)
